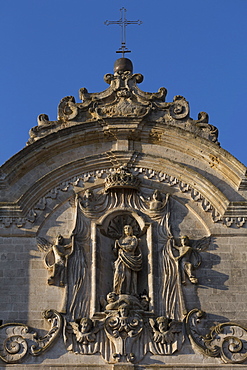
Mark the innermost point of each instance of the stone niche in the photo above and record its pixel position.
(123, 238)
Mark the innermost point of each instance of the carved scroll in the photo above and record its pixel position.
(227, 340)
(18, 340)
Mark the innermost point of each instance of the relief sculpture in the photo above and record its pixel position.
(128, 262)
(124, 272)
(188, 258)
(56, 259)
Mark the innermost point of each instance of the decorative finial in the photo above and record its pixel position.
(123, 22)
(122, 65)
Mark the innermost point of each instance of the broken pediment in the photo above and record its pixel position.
(125, 107)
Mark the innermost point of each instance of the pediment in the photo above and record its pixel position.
(118, 221)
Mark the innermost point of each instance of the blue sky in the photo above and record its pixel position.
(194, 48)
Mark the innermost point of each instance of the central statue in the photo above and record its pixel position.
(128, 262)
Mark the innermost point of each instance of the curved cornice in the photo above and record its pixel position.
(43, 166)
(93, 169)
(172, 139)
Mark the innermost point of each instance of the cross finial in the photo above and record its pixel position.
(123, 22)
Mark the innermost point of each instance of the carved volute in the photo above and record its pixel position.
(122, 211)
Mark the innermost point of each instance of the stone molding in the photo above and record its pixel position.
(127, 314)
(143, 173)
(123, 102)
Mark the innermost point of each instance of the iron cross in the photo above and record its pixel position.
(123, 22)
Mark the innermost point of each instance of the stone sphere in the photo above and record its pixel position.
(123, 65)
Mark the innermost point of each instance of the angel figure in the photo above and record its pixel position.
(88, 199)
(189, 257)
(163, 330)
(157, 203)
(56, 259)
(84, 330)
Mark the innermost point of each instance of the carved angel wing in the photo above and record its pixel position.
(75, 327)
(175, 327)
(76, 331)
(43, 244)
(202, 244)
(199, 246)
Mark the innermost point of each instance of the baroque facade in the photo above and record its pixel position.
(122, 234)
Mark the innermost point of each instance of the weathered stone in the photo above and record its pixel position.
(126, 172)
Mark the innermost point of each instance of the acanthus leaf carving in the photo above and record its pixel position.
(110, 305)
(67, 109)
(17, 340)
(226, 340)
(179, 109)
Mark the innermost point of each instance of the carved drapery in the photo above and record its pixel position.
(77, 304)
(126, 304)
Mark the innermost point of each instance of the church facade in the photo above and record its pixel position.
(123, 238)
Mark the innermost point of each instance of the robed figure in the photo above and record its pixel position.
(176, 269)
(128, 262)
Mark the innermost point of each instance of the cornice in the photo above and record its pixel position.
(92, 170)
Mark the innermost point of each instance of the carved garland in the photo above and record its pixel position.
(146, 173)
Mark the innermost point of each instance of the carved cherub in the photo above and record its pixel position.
(56, 258)
(87, 199)
(84, 330)
(163, 331)
(122, 301)
(158, 201)
(189, 257)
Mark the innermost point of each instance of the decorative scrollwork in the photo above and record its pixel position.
(227, 340)
(17, 340)
(14, 346)
(123, 330)
(67, 109)
(179, 108)
(43, 343)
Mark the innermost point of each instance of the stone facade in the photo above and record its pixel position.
(122, 235)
